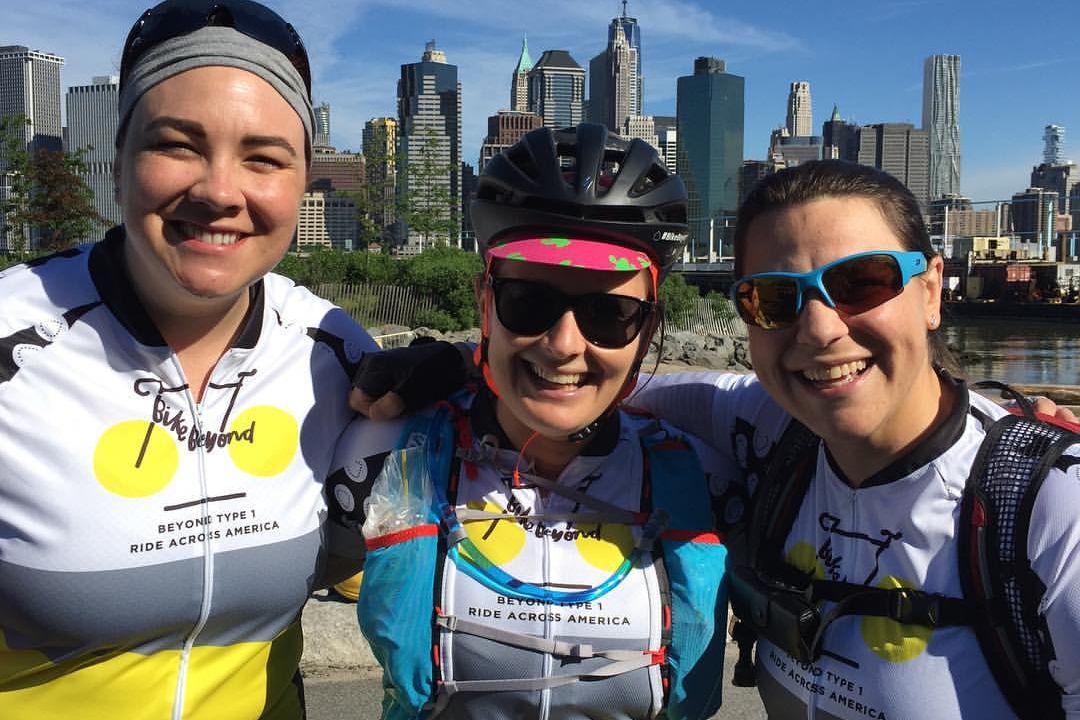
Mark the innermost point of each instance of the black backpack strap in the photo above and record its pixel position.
(780, 494)
(995, 570)
(904, 605)
(1008, 391)
(775, 503)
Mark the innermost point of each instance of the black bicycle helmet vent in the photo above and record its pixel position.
(587, 182)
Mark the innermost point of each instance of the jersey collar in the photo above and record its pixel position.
(108, 271)
(482, 417)
(943, 437)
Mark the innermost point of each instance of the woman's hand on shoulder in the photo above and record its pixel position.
(392, 382)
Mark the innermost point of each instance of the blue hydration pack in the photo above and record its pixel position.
(402, 573)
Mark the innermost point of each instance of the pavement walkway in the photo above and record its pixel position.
(332, 639)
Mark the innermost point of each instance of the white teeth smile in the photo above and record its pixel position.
(844, 371)
(210, 238)
(557, 378)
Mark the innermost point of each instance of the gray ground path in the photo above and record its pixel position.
(342, 677)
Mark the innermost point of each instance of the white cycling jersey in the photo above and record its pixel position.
(553, 553)
(155, 552)
(897, 530)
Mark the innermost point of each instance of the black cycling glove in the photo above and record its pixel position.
(421, 374)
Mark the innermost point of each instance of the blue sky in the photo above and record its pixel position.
(864, 55)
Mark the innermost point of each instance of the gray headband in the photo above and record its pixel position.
(218, 46)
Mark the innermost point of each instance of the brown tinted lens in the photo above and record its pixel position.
(609, 321)
(863, 283)
(768, 303)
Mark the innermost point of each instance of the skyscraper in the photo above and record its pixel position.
(505, 128)
(30, 86)
(1060, 178)
(899, 149)
(91, 127)
(710, 115)
(642, 127)
(333, 171)
(326, 219)
(557, 89)
(1032, 214)
(615, 91)
(380, 166)
(667, 138)
(429, 136)
(750, 174)
(322, 125)
(800, 115)
(632, 32)
(840, 138)
(519, 87)
(941, 119)
(1054, 145)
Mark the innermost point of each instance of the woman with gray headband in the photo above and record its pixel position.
(168, 405)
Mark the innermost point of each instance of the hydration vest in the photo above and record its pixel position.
(398, 613)
(1001, 591)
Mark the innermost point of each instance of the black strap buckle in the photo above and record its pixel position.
(914, 607)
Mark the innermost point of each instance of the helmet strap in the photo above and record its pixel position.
(480, 353)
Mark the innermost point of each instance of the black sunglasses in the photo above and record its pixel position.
(179, 17)
(531, 308)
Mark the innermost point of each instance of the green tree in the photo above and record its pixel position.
(46, 192)
(376, 268)
(447, 274)
(677, 297)
(721, 305)
(426, 201)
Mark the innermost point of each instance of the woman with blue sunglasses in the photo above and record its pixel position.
(852, 405)
(168, 405)
(531, 550)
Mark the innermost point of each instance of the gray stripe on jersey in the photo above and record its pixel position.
(257, 594)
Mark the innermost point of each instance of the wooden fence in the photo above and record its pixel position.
(377, 305)
(373, 305)
(705, 318)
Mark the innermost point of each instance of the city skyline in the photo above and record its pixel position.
(867, 60)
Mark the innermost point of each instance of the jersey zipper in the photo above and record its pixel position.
(545, 558)
(208, 569)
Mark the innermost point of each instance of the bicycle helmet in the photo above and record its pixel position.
(582, 197)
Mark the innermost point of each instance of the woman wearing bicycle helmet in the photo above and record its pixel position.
(564, 561)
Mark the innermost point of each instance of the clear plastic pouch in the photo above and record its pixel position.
(401, 495)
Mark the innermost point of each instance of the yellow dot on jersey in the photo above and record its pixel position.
(264, 440)
(135, 459)
(606, 552)
(890, 640)
(499, 541)
(803, 556)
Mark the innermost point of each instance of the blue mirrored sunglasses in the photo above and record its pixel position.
(851, 285)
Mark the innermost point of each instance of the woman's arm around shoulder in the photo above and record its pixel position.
(705, 404)
(358, 460)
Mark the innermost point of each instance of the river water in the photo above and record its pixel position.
(1017, 351)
